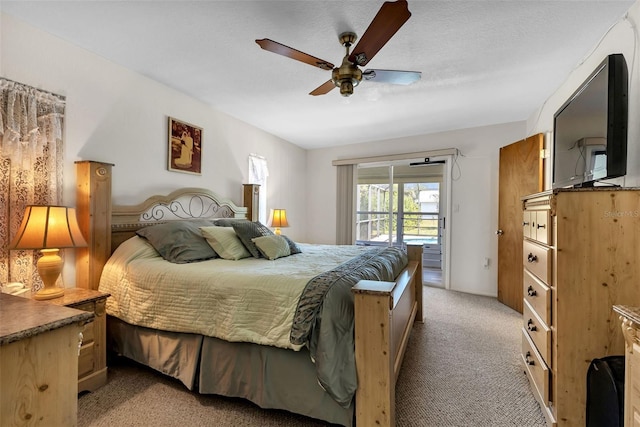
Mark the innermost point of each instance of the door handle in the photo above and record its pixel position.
(499, 232)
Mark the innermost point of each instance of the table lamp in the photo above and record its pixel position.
(277, 219)
(49, 229)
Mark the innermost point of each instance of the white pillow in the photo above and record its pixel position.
(272, 247)
(224, 241)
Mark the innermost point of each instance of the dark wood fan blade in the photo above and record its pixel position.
(396, 77)
(323, 88)
(390, 17)
(292, 53)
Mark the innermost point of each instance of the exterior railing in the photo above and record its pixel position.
(373, 227)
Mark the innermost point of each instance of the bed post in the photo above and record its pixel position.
(414, 252)
(251, 200)
(93, 209)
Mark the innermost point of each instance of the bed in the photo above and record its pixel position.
(290, 356)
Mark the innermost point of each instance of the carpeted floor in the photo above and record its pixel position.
(462, 368)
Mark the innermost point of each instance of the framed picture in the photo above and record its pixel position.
(185, 147)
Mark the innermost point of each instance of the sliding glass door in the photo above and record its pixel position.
(397, 204)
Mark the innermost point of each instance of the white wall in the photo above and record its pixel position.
(621, 38)
(115, 115)
(118, 116)
(474, 192)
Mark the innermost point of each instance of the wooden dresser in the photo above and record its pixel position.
(630, 318)
(38, 362)
(580, 258)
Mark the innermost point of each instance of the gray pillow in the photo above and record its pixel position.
(247, 231)
(228, 222)
(179, 242)
(293, 248)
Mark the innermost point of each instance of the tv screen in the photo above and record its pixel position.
(590, 129)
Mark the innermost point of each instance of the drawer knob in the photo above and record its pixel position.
(527, 358)
(525, 223)
(531, 326)
(532, 258)
(531, 292)
(541, 226)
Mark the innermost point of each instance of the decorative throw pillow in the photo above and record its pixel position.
(272, 247)
(179, 242)
(224, 241)
(293, 248)
(247, 231)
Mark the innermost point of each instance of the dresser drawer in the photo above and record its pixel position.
(539, 332)
(542, 227)
(537, 259)
(526, 224)
(536, 369)
(538, 295)
(537, 225)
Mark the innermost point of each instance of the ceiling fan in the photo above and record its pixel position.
(390, 17)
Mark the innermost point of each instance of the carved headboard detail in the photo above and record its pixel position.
(186, 203)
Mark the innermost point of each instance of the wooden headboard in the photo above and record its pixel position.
(105, 226)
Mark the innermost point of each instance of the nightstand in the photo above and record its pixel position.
(92, 361)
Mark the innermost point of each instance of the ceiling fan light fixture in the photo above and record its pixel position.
(346, 88)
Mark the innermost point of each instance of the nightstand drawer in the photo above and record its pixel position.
(88, 334)
(536, 259)
(86, 361)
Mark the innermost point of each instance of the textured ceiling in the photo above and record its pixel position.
(482, 62)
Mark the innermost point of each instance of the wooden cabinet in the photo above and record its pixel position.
(38, 362)
(630, 318)
(580, 258)
(92, 358)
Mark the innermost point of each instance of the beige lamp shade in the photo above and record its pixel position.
(278, 219)
(49, 228)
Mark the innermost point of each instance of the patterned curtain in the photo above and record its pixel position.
(31, 165)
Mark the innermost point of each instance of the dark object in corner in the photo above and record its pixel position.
(605, 392)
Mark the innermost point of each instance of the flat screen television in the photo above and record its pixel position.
(590, 129)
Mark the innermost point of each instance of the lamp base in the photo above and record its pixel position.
(277, 231)
(49, 268)
(48, 293)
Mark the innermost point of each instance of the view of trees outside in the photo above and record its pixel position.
(420, 212)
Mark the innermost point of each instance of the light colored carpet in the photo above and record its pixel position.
(462, 368)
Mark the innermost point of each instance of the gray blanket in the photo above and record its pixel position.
(324, 319)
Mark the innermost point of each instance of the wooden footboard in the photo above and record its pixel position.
(384, 316)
